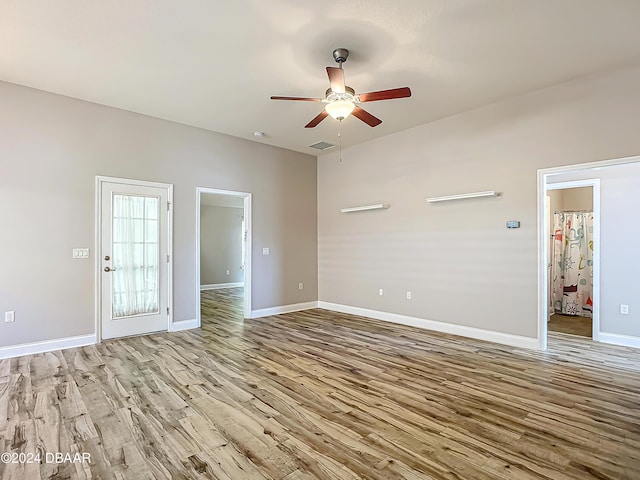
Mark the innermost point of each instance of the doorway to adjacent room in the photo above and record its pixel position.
(223, 253)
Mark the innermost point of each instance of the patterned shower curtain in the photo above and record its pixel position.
(573, 263)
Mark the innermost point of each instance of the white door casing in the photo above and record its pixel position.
(544, 232)
(133, 261)
(247, 199)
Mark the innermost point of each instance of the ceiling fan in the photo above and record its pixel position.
(341, 100)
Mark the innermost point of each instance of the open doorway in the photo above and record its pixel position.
(570, 229)
(615, 200)
(570, 276)
(223, 259)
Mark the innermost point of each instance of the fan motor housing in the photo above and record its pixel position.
(340, 55)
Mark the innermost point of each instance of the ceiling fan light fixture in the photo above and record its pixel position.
(341, 100)
(340, 109)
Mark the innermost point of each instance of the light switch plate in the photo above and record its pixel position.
(80, 253)
(265, 251)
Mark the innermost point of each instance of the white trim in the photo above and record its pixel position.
(464, 331)
(462, 196)
(100, 180)
(248, 262)
(590, 165)
(97, 264)
(184, 325)
(217, 286)
(130, 181)
(294, 307)
(571, 184)
(47, 346)
(170, 253)
(377, 206)
(248, 254)
(618, 339)
(543, 256)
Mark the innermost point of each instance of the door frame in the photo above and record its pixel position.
(100, 181)
(543, 231)
(594, 183)
(246, 196)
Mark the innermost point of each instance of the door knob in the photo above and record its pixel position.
(107, 258)
(109, 269)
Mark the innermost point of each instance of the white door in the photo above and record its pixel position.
(134, 259)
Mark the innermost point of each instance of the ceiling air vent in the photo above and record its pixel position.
(322, 146)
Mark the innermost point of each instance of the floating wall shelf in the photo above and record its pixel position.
(462, 196)
(377, 206)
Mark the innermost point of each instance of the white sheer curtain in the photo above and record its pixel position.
(135, 255)
(572, 286)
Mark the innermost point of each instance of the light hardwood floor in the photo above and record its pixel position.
(571, 324)
(317, 394)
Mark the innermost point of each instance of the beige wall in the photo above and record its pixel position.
(577, 199)
(51, 149)
(459, 261)
(580, 198)
(220, 245)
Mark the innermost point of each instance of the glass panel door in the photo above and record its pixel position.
(135, 256)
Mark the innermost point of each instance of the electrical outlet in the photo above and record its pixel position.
(227, 272)
(408, 295)
(624, 309)
(10, 316)
(380, 292)
(300, 286)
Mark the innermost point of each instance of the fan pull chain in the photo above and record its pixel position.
(339, 143)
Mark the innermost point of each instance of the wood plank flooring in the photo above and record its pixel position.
(320, 395)
(571, 324)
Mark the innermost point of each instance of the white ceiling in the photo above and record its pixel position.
(214, 64)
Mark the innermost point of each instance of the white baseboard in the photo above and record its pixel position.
(184, 325)
(47, 346)
(216, 286)
(618, 339)
(294, 307)
(464, 331)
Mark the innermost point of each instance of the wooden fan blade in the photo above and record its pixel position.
(303, 99)
(366, 117)
(336, 78)
(317, 119)
(385, 94)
